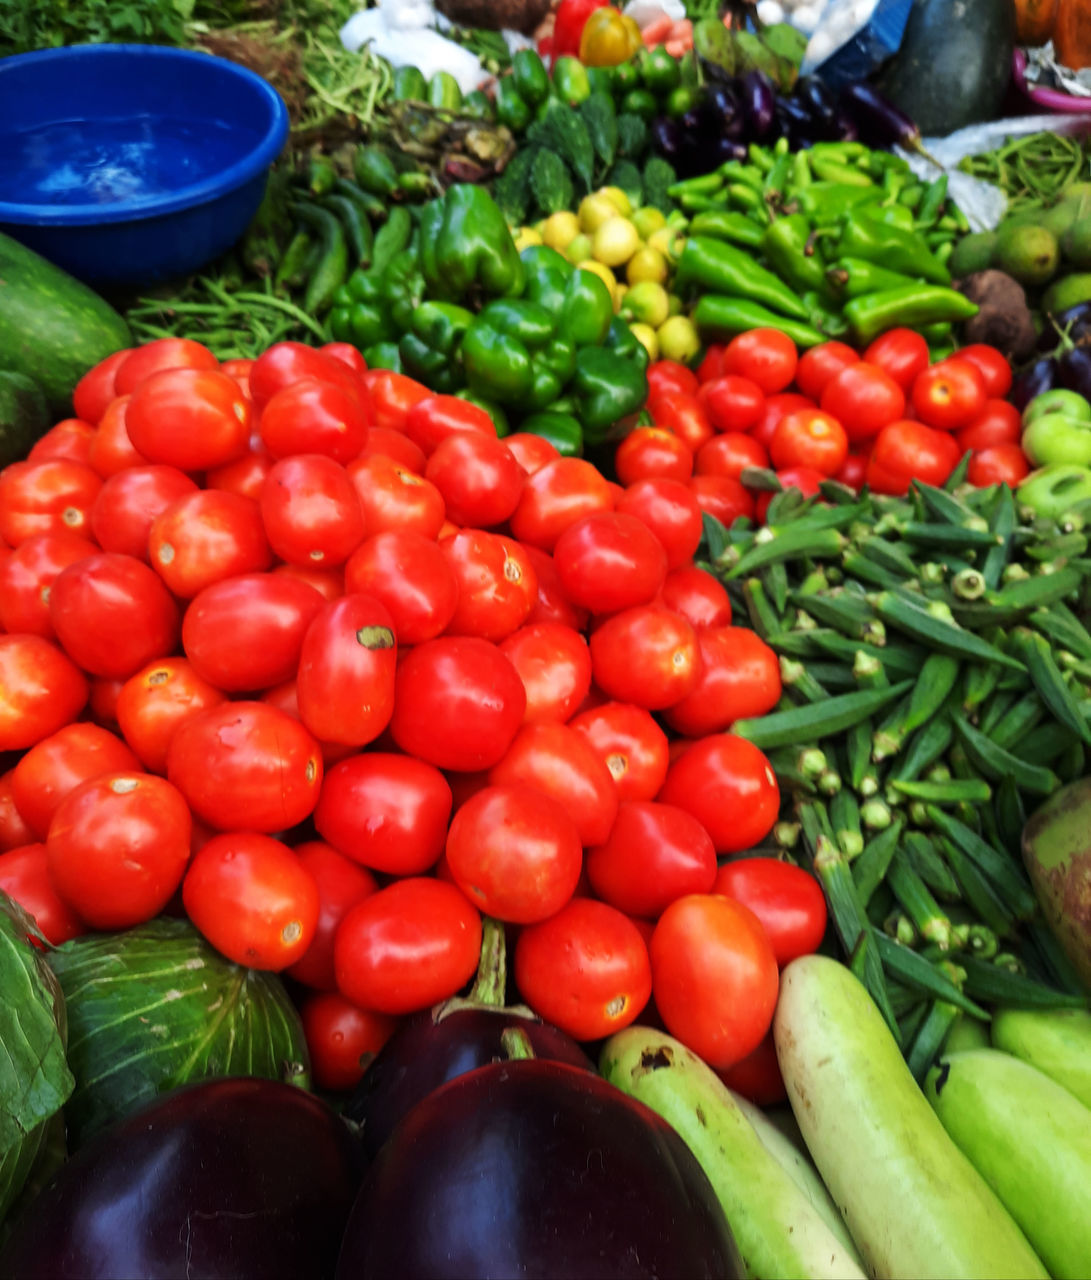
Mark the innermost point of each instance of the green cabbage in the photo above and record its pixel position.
(156, 1007)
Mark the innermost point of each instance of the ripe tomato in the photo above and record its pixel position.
(999, 422)
(206, 537)
(714, 977)
(654, 854)
(310, 510)
(806, 479)
(992, 366)
(96, 388)
(819, 365)
(112, 450)
(118, 847)
(902, 353)
(610, 561)
(765, 356)
(341, 1037)
(27, 575)
(775, 408)
(950, 394)
(24, 876)
(245, 476)
(287, 362)
(458, 703)
(192, 419)
(905, 451)
(478, 477)
(730, 454)
(650, 452)
(496, 582)
(757, 1076)
(670, 375)
(312, 416)
(684, 415)
(732, 403)
(531, 452)
(556, 496)
(41, 689)
(435, 417)
(54, 496)
(712, 363)
(253, 899)
(393, 497)
(396, 446)
(551, 603)
(863, 398)
(341, 885)
(408, 946)
(809, 438)
(560, 763)
(722, 497)
(670, 510)
(631, 745)
(70, 438)
(155, 701)
(385, 811)
(164, 353)
(554, 664)
(128, 503)
(515, 853)
(245, 634)
(245, 766)
(787, 900)
(329, 583)
(14, 831)
(58, 764)
(392, 395)
(347, 354)
(647, 655)
(112, 614)
(585, 969)
(728, 785)
(740, 677)
(697, 596)
(853, 471)
(239, 370)
(998, 464)
(411, 576)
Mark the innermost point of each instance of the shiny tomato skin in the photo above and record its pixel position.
(515, 853)
(902, 353)
(683, 414)
(949, 394)
(558, 495)
(496, 582)
(670, 375)
(732, 403)
(246, 766)
(410, 575)
(434, 418)
(478, 477)
(60, 763)
(554, 664)
(585, 969)
(787, 900)
(853, 471)
(70, 438)
(809, 438)
(714, 977)
(253, 899)
(205, 537)
(311, 416)
(391, 396)
(310, 510)
(155, 701)
(396, 446)
(14, 831)
(765, 356)
(163, 353)
(41, 689)
(722, 497)
(128, 503)
(729, 454)
(27, 575)
(531, 452)
(341, 884)
(347, 354)
(96, 388)
(112, 450)
(672, 513)
(757, 1076)
(393, 497)
(118, 847)
(551, 603)
(650, 452)
(697, 596)
(775, 408)
(654, 854)
(818, 366)
(284, 363)
(998, 464)
(53, 496)
(329, 583)
(405, 948)
(904, 451)
(112, 614)
(610, 561)
(243, 477)
(740, 677)
(631, 745)
(863, 398)
(24, 876)
(993, 366)
(192, 419)
(341, 1038)
(729, 786)
(646, 655)
(999, 422)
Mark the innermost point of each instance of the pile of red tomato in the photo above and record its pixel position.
(881, 419)
(307, 653)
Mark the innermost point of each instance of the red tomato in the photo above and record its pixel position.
(853, 471)
(650, 452)
(191, 419)
(58, 764)
(551, 604)
(740, 677)
(732, 403)
(341, 885)
(397, 446)
(41, 689)
(243, 477)
(129, 501)
(385, 811)
(253, 899)
(670, 375)
(809, 438)
(729, 455)
(155, 701)
(206, 537)
(287, 362)
(341, 1037)
(998, 464)
(728, 785)
(585, 969)
(393, 497)
(345, 682)
(245, 634)
(436, 417)
(905, 451)
(392, 395)
(999, 422)
(478, 477)
(70, 438)
(992, 366)
(654, 854)
(787, 900)
(411, 576)
(102, 702)
(27, 575)
(329, 583)
(239, 371)
(531, 452)
(560, 763)
(863, 398)
(777, 407)
(14, 831)
(311, 512)
(757, 1076)
(96, 388)
(902, 353)
(458, 703)
(806, 479)
(554, 664)
(819, 365)
(670, 510)
(347, 354)
(112, 450)
(54, 496)
(714, 977)
(712, 363)
(610, 561)
(497, 585)
(163, 353)
(646, 655)
(410, 945)
(558, 495)
(245, 766)
(312, 416)
(285, 698)
(631, 745)
(722, 497)
(697, 596)
(765, 356)
(950, 394)
(24, 876)
(118, 847)
(112, 614)
(515, 853)
(684, 415)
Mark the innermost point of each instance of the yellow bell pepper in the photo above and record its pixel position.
(609, 38)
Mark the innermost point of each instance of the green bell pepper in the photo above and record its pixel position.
(499, 417)
(608, 387)
(359, 313)
(401, 290)
(429, 351)
(384, 355)
(513, 353)
(466, 247)
(621, 340)
(562, 430)
(587, 310)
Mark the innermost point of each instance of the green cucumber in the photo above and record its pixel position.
(1030, 1139)
(914, 1203)
(24, 415)
(52, 327)
(1056, 1041)
(778, 1232)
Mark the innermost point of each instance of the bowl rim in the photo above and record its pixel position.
(195, 194)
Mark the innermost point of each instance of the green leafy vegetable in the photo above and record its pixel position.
(632, 136)
(626, 175)
(659, 175)
(511, 190)
(598, 114)
(551, 182)
(563, 131)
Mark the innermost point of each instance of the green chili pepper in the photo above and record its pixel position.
(932, 201)
(703, 184)
(375, 171)
(720, 317)
(356, 227)
(829, 170)
(894, 215)
(331, 270)
(722, 268)
(863, 236)
(825, 202)
(911, 307)
(854, 277)
(723, 224)
(777, 178)
(789, 249)
(410, 85)
(737, 172)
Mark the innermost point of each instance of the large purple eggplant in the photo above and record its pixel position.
(535, 1169)
(759, 100)
(229, 1179)
(1041, 376)
(1074, 370)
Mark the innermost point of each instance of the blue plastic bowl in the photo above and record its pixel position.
(130, 164)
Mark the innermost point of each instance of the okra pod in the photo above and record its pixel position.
(956, 791)
(927, 1044)
(934, 626)
(817, 720)
(1049, 682)
(976, 890)
(1000, 985)
(1059, 624)
(925, 747)
(917, 902)
(913, 970)
(765, 620)
(845, 817)
(926, 860)
(870, 868)
(996, 763)
(791, 543)
(1017, 721)
(1003, 873)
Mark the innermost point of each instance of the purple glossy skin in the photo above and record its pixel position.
(536, 1169)
(1075, 322)
(239, 1179)
(1041, 376)
(759, 100)
(1074, 370)
(880, 122)
(424, 1054)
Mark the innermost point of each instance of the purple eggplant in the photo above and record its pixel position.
(759, 102)
(535, 1169)
(1074, 323)
(796, 120)
(667, 138)
(843, 128)
(1041, 376)
(1074, 370)
(724, 99)
(229, 1179)
(879, 121)
(818, 100)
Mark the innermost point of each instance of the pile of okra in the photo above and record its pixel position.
(936, 688)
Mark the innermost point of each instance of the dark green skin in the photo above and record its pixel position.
(24, 416)
(53, 329)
